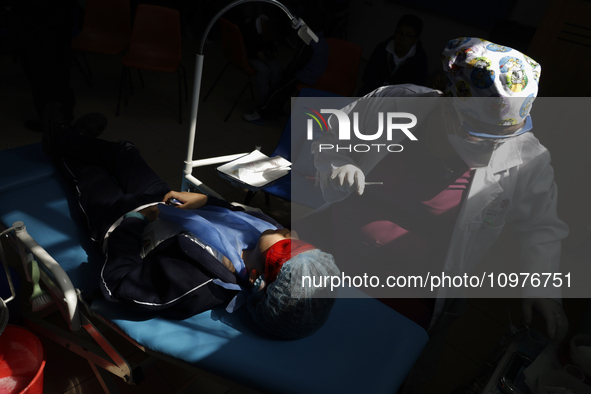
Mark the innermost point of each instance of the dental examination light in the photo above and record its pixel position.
(304, 32)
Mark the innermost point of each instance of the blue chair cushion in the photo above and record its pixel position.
(365, 347)
(38, 197)
(295, 147)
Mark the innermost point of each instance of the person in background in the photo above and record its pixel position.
(307, 66)
(400, 59)
(261, 49)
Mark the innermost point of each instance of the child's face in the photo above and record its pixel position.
(270, 237)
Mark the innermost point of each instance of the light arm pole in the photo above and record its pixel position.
(304, 33)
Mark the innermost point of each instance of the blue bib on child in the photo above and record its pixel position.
(230, 232)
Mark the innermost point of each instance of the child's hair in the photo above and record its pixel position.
(294, 306)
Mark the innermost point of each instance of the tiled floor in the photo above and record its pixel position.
(150, 121)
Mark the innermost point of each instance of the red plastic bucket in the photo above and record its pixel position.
(22, 361)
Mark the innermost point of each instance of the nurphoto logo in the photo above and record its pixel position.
(390, 120)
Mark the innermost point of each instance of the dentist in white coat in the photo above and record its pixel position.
(479, 137)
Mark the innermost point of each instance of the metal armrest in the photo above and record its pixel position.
(70, 299)
(189, 179)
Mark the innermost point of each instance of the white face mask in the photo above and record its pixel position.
(476, 154)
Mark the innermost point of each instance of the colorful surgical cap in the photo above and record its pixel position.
(491, 83)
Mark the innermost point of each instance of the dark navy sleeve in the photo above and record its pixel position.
(376, 70)
(177, 276)
(123, 254)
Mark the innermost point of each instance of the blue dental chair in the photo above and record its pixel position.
(364, 347)
(294, 146)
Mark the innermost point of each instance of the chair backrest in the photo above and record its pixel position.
(297, 149)
(340, 76)
(234, 48)
(288, 145)
(107, 17)
(157, 30)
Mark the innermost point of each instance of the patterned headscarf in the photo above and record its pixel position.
(491, 83)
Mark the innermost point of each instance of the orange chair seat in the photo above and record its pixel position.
(340, 75)
(235, 54)
(155, 46)
(106, 28)
(330, 83)
(100, 43)
(250, 71)
(149, 60)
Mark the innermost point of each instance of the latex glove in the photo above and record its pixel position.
(556, 320)
(348, 178)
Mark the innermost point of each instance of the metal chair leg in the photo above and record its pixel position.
(251, 89)
(130, 86)
(87, 65)
(216, 81)
(121, 84)
(237, 99)
(178, 74)
(86, 77)
(185, 80)
(141, 78)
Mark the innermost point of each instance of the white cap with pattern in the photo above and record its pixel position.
(491, 83)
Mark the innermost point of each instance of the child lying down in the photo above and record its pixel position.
(183, 253)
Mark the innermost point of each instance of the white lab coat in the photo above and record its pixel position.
(516, 188)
